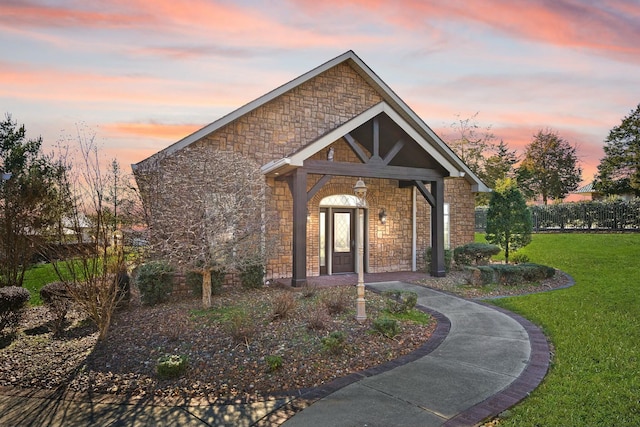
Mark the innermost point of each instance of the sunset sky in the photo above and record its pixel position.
(143, 74)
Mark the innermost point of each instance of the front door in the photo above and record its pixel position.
(343, 241)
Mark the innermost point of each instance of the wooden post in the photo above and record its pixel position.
(299, 193)
(437, 229)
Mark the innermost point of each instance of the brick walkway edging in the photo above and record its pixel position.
(528, 380)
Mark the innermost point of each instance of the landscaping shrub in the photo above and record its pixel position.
(475, 253)
(387, 327)
(13, 301)
(507, 274)
(193, 279)
(536, 272)
(334, 342)
(317, 319)
(124, 286)
(400, 301)
(155, 281)
(240, 326)
(519, 258)
(274, 362)
(309, 290)
(336, 302)
(284, 304)
(448, 257)
(57, 298)
(252, 276)
(171, 366)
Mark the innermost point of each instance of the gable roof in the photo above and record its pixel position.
(450, 160)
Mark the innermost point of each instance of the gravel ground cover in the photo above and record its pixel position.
(240, 349)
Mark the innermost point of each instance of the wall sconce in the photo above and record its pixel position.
(383, 216)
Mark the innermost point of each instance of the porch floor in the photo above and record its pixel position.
(352, 278)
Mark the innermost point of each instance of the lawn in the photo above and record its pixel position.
(594, 326)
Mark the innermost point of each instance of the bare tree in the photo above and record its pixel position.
(93, 275)
(471, 142)
(213, 218)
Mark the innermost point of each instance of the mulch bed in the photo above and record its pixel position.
(228, 346)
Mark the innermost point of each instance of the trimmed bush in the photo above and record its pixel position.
(155, 282)
(252, 276)
(507, 274)
(400, 301)
(519, 258)
(475, 253)
(387, 327)
(57, 298)
(13, 301)
(171, 366)
(448, 257)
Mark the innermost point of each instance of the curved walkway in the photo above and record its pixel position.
(480, 361)
(490, 360)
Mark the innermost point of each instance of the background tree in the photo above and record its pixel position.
(619, 169)
(497, 167)
(549, 168)
(470, 142)
(31, 202)
(508, 218)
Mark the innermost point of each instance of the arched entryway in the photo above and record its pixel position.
(338, 234)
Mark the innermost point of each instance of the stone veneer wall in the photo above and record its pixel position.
(281, 127)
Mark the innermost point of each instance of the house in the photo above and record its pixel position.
(308, 142)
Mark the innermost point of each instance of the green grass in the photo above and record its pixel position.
(38, 276)
(35, 278)
(594, 379)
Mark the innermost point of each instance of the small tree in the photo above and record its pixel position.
(205, 223)
(549, 167)
(619, 169)
(508, 218)
(95, 275)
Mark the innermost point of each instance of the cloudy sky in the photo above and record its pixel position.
(142, 74)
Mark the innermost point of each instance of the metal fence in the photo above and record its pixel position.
(582, 216)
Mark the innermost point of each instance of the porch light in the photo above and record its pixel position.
(383, 216)
(360, 190)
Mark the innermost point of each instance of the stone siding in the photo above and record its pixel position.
(279, 128)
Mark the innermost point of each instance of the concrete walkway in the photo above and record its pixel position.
(487, 363)
(479, 362)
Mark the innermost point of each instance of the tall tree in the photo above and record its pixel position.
(497, 167)
(30, 199)
(549, 168)
(508, 218)
(470, 142)
(619, 169)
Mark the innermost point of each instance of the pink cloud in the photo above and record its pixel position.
(166, 131)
